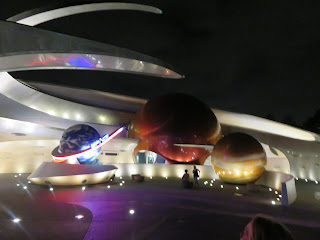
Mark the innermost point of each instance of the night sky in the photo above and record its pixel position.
(241, 56)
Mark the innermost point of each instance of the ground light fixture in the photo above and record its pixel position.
(273, 202)
(79, 216)
(270, 189)
(29, 182)
(83, 188)
(16, 220)
(51, 189)
(276, 192)
(316, 182)
(237, 188)
(131, 211)
(306, 180)
(108, 186)
(15, 176)
(221, 186)
(18, 184)
(25, 187)
(19, 174)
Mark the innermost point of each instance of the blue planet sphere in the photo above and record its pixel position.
(77, 139)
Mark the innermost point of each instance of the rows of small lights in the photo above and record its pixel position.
(307, 180)
(237, 172)
(24, 187)
(76, 116)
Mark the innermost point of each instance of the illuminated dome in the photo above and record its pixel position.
(77, 139)
(172, 119)
(239, 158)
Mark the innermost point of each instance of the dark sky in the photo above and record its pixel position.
(241, 56)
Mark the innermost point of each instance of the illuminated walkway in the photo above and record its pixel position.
(155, 209)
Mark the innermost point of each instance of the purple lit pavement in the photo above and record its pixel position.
(162, 210)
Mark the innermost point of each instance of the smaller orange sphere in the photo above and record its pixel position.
(238, 158)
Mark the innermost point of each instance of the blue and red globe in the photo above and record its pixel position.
(77, 139)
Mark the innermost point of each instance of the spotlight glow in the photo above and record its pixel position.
(25, 187)
(51, 189)
(131, 211)
(121, 184)
(306, 180)
(29, 182)
(19, 174)
(273, 202)
(108, 186)
(15, 176)
(16, 220)
(270, 189)
(276, 192)
(237, 188)
(18, 184)
(83, 188)
(120, 177)
(221, 186)
(316, 182)
(79, 216)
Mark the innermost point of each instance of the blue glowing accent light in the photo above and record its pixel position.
(89, 157)
(80, 62)
(100, 140)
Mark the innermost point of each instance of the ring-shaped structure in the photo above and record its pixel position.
(30, 19)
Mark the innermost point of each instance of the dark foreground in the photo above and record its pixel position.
(162, 210)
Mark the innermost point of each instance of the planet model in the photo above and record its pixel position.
(77, 139)
(172, 126)
(238, 158)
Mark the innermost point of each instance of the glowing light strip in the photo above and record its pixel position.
(102, 140)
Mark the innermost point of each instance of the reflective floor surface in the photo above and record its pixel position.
(155, 209)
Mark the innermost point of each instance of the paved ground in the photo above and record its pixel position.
(163, 210)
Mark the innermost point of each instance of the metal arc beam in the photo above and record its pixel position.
(42, 49)
(31, 19)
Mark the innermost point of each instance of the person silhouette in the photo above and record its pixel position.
(195, 175)
(185, 180)
(263, 227)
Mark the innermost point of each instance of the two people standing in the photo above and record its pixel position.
(185, 178)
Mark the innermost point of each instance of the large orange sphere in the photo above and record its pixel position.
(238, 158)
(174, 119)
